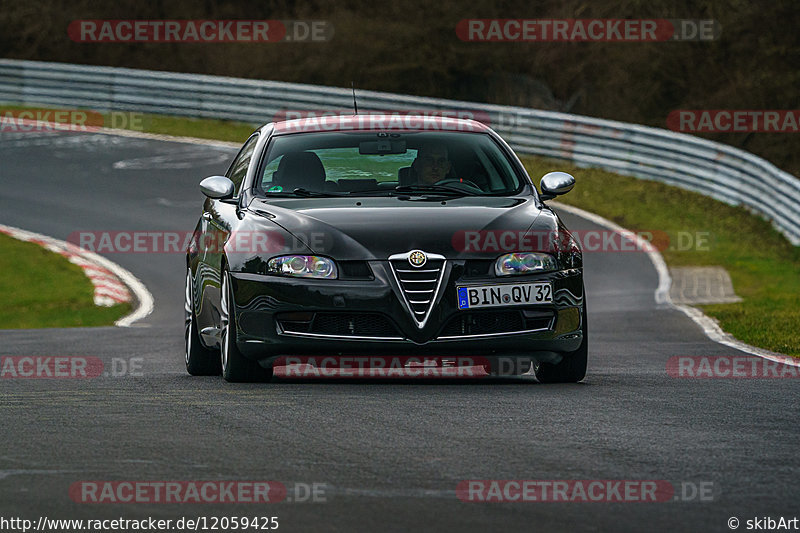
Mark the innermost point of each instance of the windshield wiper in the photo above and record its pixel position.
(300, 191)
(370, 192)
(423, 189)
(305, 193)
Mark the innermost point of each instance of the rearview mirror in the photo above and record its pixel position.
(556, 183)
(217, 187)
(382, 147)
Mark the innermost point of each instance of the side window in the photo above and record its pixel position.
(238, 169)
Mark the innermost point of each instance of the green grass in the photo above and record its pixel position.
(764, 266)
(221, 130)
(42, 289)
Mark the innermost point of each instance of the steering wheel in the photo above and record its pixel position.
(459, 181)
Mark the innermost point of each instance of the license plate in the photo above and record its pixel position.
(509, 294)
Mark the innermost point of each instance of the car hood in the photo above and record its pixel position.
(375, 228)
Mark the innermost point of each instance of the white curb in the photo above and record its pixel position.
(112, 283)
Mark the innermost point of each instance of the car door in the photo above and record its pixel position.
(215, 227)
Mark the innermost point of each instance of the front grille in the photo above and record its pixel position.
(496, 322)
(418, 285)
(339, 324)
(362, 325)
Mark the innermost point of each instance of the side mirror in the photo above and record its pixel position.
(217, 187)
(556, 183)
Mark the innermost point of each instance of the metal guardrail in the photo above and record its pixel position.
(713, 169)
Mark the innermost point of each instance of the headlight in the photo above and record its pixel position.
(524, 263)
(303, 266)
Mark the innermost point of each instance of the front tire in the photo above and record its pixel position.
(236, 368)
(572, 367)
(200, 361)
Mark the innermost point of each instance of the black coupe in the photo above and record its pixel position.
(370, 236)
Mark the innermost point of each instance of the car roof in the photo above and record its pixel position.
(398, 121)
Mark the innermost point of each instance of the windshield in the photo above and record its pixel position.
(384, 163)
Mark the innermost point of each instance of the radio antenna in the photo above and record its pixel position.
(355, 105)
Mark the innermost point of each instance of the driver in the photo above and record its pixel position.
(432, 164)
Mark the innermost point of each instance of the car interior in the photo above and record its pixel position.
(306, 169)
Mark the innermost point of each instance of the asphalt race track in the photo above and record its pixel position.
(390, 453)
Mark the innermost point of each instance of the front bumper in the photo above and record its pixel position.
(261, 301)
